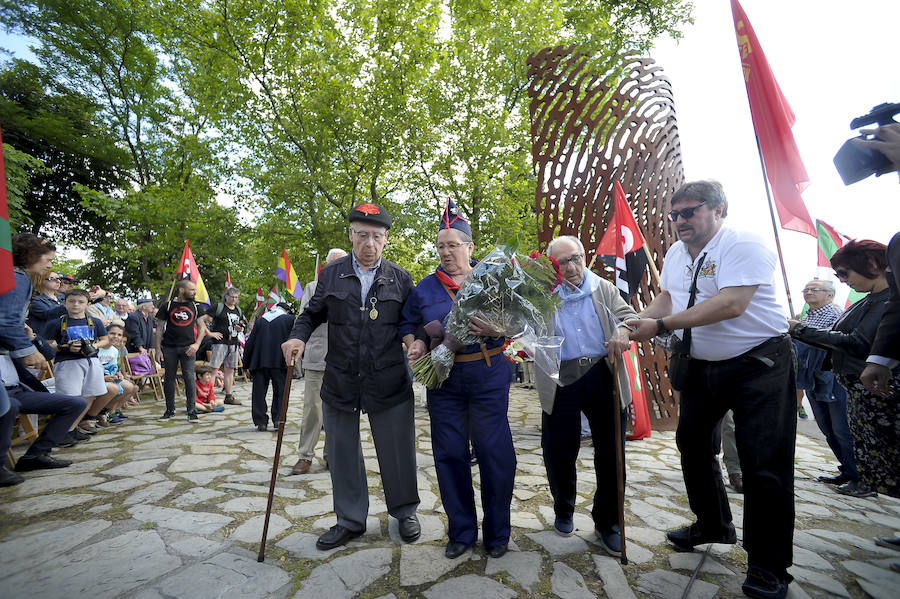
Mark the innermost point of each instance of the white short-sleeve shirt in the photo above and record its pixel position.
(733, 259)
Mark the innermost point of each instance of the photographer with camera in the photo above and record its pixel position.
(77, 370)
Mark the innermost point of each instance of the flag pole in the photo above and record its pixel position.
(762, 165)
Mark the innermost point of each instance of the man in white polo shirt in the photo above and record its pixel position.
(741, 360)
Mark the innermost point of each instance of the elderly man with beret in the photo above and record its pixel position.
(360, 297)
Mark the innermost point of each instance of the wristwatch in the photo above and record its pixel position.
(661, 329)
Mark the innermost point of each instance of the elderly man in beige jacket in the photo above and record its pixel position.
(314, 366)
(593, 320)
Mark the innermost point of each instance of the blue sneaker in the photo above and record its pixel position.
(564, 526)
(610, 540)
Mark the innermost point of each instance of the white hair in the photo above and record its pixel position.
(570, 238)
(333, 254)
(826, 284)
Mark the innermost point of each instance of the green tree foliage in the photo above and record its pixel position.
(107, 49)
(301, 110)
(60, 128)
(20, 168)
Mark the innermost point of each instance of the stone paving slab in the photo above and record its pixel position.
(189, 500)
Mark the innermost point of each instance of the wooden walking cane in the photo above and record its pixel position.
(282, 417)
(620, 458)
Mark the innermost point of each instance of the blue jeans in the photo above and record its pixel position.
(831, 416)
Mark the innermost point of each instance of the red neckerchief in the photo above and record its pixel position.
(446, 279)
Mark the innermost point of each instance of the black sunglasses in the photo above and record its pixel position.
(684, 213)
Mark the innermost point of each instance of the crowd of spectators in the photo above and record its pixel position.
(67, 351)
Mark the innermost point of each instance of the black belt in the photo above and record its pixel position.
(584, 361)
(753, 352)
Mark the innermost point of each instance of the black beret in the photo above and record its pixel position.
(370, 213)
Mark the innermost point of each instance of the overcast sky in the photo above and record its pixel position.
(834, 61)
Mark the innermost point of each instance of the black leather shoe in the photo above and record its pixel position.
(40, 462)
(410, 530)
(497, 550)
(337, 536)
(856, 488)
(8, 479)
(835, 480)
(685, 539)
(762, 584)
(455, 549)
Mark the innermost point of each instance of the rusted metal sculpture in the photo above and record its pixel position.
(595, 120)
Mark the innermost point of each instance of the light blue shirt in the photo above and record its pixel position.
(577, 321)
(366, 278)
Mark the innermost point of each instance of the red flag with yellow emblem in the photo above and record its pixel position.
(772, 121)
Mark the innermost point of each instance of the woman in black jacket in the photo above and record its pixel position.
(874, 419)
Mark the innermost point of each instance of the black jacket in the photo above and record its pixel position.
(139, 332)
(887, 340)
(263, 347)
(365, 367)
(850, 338)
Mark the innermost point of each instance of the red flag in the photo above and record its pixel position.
(260, 299)
(622, 246)
(228, 283)
(7, 278)
(772, 121)
(640, 414)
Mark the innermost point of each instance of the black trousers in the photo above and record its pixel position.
(64, 409)
(561, 441)
(172, 356)
(261, 379)
(763, 399)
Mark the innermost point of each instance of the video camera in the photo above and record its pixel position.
(854, 162)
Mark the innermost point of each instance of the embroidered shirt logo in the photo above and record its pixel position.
(708, 270)
(368, 209)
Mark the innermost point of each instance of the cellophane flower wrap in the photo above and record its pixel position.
(505, 292)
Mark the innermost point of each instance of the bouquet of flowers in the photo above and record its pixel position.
(514, 297)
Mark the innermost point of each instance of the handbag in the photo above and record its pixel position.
(680, 357)
(141, 365)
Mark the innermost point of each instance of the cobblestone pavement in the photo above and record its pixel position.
(170, 509)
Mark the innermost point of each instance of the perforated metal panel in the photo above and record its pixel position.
(594, 120)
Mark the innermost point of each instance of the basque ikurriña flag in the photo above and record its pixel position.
(622, 247)
(285, 271)
(260, 300)
(228, 283)
(772, 121)
(187, 269)
(7, 278)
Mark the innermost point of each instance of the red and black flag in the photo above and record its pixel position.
(622, 247)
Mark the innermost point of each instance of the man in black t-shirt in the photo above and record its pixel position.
(181, 335)
(227, 321)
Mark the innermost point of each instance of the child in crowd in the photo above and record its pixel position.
(77, 370)
(109, 358)
(206, 394)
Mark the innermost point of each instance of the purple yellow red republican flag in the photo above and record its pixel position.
(285, 272)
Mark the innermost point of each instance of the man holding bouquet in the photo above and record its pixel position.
(593, 321)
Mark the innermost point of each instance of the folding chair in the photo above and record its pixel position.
(29, 434)
(154, 379)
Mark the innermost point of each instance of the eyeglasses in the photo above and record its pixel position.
(573, 259)
(449, 246)
(813, 289)
(684, 213)
(51, 279)
(364, 236)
